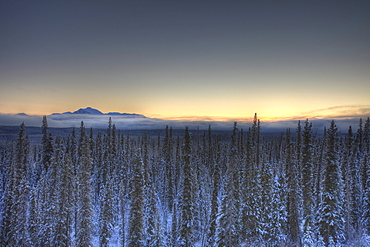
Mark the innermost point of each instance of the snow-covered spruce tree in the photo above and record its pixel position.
(176, 215)
(33, 222)
(65, 203)
(227, 235)
(6, 155)
(246, 185)
(136, 235)
(293, 216)
(45, 183)
(46, 176)
(186, 204)
(252, 199)
(203, 189)
(15, 225)
(84, 222)
(173, 235)
(106, 213)
(107, 179)
(167, 159)
(356, 159)
(331, 210)
(210, 152)
(122, 212)
(50, 214)
(72, 150)
(47, 146)
(6, 165)
(280, 213)
(98, 161)
(122, 188)
(318, 178)
(234, 159)
(256, 141)
(352, 186)
(270, 207)
(307, 182)
(211, 238)
(115, 171)
(365, 174)
(164, 168)
(152, 219)
(347, 159)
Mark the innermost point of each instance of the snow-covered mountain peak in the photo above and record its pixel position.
(92, 111)
(88, 110)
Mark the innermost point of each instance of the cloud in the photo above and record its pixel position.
(121, 122)
(343, 115)
(339, 112)
(124, 122)
(18, 119)
(318, 125)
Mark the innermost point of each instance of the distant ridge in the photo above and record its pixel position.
(92, 111)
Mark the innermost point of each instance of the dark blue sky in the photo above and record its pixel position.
(185, 58)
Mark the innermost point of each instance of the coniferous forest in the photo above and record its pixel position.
(299, 188)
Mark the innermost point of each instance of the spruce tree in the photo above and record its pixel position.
(51, 194)
(186, 231)
(353, 155)
(269, 221)
(365, 175)
(136, 219)
(307, 180)
(331, 211)
(65, 204)
(152, 218)
(253, 195)
(228, 235)
(47, 146)
(167, 158)
(15, 225)
(214, 204)
(106, 184)
(293, 208)
(84, 222)
(235, 161)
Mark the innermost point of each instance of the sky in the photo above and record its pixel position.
(187, 60)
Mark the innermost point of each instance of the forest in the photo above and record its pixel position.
(298, 188)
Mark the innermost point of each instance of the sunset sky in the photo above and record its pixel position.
(187, 59)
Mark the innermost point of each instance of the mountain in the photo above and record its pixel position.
(22, 114)
(123, 114)
(92, 111)
(88, 110)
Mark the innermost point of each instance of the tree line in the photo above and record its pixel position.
(197, 189)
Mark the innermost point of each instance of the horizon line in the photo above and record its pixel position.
(343, 112)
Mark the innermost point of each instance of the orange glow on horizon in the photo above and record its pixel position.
(270, 115)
